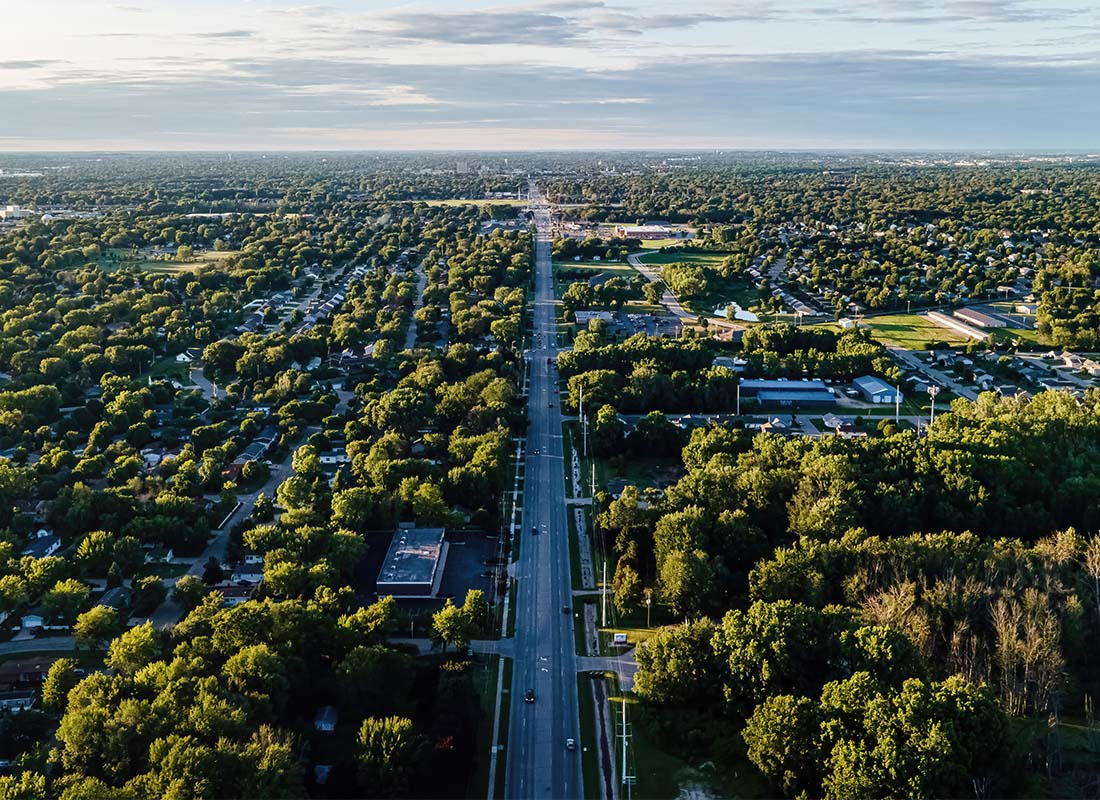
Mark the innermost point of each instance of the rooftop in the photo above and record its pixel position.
(412, 558)
(759, 384)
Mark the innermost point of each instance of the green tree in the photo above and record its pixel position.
(451, 625)
(390, 754)
(189, 592)
(97, 625)
(63, 602)
(60, 679)
(134, 649)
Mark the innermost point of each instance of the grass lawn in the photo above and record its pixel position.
(657, 244)
(911, 331)
(589, 744)
(596, 266)
(169, 368)
(502, 737)
(120, 259)
(1027, 336)
(485, 684)
(633, 625)
(705, 259)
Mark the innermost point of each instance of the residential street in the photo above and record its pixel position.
(669, 300)
(169, 613)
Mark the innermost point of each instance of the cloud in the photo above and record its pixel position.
(30, 64)
(235, 34)
(485, 27)
(864, 99)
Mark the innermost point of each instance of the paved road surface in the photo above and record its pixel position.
(538, 765)
(46, 644)
(906, 357)
(652, 274)
(418, 303)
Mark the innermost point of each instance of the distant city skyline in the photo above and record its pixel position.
(562, 75)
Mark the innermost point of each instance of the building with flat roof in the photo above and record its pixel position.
(415, 558)
(788, 393)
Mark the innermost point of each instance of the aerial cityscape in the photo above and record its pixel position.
(549, 400)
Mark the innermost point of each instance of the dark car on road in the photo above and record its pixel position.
(530, 696)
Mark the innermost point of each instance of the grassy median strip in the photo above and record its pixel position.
(589, 744)
(505, 714)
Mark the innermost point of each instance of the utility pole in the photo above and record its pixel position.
(603, 594)
(628, 779)
(738, 397)
(897, 404)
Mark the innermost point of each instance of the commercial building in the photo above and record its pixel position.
(646, 232)
(788, 393)
(957, 325)
(876, 390)
(973, 317)
(413, 563)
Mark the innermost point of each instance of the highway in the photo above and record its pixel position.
(538, 764)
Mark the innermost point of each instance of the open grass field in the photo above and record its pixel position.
(657, 244)
(911, 331)
(595, 266)
(1027, 336)
(682, 258)
(120, 259)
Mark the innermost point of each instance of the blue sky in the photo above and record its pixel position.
(560, 74)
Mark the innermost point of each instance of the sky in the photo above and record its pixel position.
(552, 74)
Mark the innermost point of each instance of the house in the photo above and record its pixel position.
(234, 595)
(1072, 360)
(1031, 309)
(117, 598)
(730, 363)
(189, 356)
(876, 390)
(157, 555)
(34, 618)
(729, 333)
(41, 546)
(17, 700)
(246, 574)
(325, 719)
(13, 673)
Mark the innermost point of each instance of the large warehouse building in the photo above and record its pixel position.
(788, 393)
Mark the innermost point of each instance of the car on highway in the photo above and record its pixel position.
(566, 610)
(570, 744)
(534, 530)
(530, 696)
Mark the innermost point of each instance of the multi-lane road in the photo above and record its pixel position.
(538, 763)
